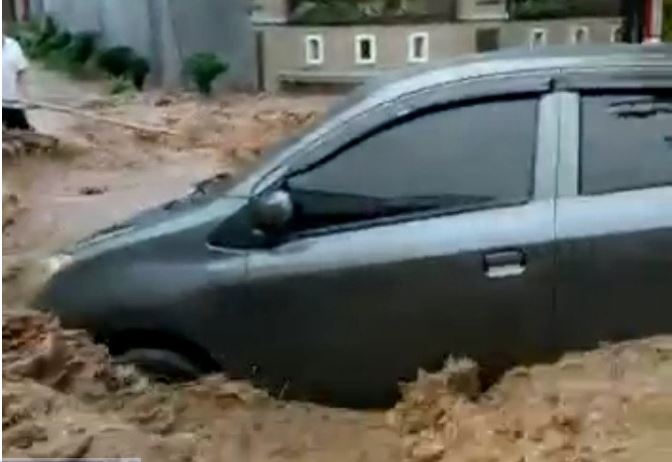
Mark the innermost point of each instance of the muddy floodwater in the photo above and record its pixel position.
(63, 397)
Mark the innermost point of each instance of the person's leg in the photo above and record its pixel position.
(22, 120)
(15, 119)
(6, 116)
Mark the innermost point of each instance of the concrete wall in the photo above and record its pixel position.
(221, 27)
(284, 47)
(75, 15)
(167, 32)
(558, 31)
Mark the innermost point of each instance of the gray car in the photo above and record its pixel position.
(506, 207)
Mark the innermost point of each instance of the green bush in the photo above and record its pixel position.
(203, 69)
(121, 85)
(48, 29)
(81, 47)
(116, 61)
(27, 34)
(56, 60)
(138, 70)
(60, 40)
(123, 62)
(54, 43)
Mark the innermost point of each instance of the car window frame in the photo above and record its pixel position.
(402, 117)
(366, 114)
(572, 83)
(580, 158)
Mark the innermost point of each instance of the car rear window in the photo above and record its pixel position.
(626, 142)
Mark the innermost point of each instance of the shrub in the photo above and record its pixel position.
(138, 70)
(57, 60)
(48, 29)
(82, 46)
(123, 62)
(60, 41)
(121, 85)
(56, 42)
(27, 34)
(203, 69)
(116, 61)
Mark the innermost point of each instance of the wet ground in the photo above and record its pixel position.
(62, 396)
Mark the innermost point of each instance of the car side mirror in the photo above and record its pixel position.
(272, 211)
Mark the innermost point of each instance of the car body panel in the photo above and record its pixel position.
(129, 277)
(614, 267)
(366, 308)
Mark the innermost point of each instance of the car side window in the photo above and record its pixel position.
(453, 159)
(626, 142)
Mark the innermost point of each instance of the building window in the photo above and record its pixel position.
(580, 35)
(616, 34)
(537, 37)
(365, 49)
(314, 49)
(487, 39)
(418, 47)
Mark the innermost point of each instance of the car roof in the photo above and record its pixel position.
(517, 61)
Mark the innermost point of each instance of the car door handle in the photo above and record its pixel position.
(507, 263)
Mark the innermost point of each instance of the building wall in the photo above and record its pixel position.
(284, 47)
(558, 31)
(167, 32)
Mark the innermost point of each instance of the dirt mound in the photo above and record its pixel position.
(62, 397)
(39, 422)
(35, 347)
(614, 403)
(49, 377)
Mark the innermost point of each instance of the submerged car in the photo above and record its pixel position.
(507, 207)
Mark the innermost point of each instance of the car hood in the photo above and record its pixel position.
(200, 207)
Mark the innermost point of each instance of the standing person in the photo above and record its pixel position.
(14, 66)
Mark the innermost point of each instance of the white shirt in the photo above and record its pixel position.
(13, 62)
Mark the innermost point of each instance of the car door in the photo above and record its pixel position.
(614, 219)
(429, 237)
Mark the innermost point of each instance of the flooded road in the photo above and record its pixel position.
(63, 397)
(103, 173)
